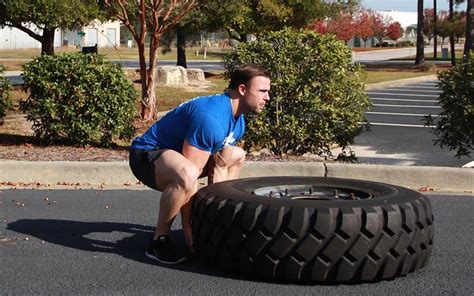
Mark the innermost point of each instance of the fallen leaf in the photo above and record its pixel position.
(427, 188)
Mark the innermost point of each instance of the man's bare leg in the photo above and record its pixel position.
(186, 222)
(177, 178)
(227, 164)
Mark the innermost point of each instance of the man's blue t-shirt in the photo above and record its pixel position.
(206, 122)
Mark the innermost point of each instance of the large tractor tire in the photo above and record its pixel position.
(313, 229)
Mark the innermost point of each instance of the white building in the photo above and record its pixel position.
(407, 19)
(104, 35)
(13, 38)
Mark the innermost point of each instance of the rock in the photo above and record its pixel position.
(171, 75)
(195, 74)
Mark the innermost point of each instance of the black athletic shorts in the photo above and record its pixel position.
(142, 163)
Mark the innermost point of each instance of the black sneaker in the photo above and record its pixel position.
(164, 251)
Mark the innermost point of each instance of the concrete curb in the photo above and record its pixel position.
(118, 175)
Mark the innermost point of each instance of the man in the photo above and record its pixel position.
(194, 140)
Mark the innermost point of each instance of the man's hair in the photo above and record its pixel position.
(244, 73)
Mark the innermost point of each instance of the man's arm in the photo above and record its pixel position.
(197, 156)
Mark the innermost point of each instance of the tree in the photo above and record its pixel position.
(428, 28)
(319, 26)
(161, 16)
(40, 19)
(455, 25)
(380, 25)
(394, 31)
(451, 33)
(469, 34)
(420, 42)
(443, 26)
(435, 29)
(244, 17)
(459, 25)
(468, 46)
(453, 127)
(342, 26)
(364, 26)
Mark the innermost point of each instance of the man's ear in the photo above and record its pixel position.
(242, 88)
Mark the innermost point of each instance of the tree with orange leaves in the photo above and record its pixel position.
(364, 26)
(394, 31)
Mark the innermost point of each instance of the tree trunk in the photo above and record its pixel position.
(147, 110)
(47, 41)
(435, 37)
(451, 34)
(148, 106)
(181, 44)
(468, 46)
(420, 42)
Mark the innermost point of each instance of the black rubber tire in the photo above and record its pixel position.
(315, 241)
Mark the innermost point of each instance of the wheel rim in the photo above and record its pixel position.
(311, 192)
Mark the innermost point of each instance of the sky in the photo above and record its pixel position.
(405, 5)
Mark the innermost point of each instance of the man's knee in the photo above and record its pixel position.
(231, 156)
(239, 156)
(188, 176)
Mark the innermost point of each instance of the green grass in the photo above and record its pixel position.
(381, 76)
(429, 56)
(169, 97)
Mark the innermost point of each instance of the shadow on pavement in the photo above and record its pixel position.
(124, 239)
(89, 236)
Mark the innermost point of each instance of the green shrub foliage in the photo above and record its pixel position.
(455, 127)
(5, 87)
(317, 93)
(78, 99)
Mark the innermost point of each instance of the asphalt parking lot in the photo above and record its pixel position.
(92, 242)
(398, 133)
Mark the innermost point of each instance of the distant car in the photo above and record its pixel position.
(385, 44)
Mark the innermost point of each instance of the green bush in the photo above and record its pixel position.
(78, 99)
(317, 94)
(5, 87)
(455, 127)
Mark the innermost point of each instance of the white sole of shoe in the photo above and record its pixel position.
(150, 256)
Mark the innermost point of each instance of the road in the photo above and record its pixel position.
(398, 135)
(91, 242)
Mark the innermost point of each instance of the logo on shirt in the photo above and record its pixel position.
(229, 140)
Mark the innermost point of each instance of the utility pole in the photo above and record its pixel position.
(420, 41)
(468, 46)
(451, 34)
(435, 33)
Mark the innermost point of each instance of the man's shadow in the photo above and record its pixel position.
(128, 240)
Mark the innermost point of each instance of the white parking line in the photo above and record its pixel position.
(426, 90)
(406, 106)
(400, 114)
(400, 125)
(421, 88)
(397, 94)
(405, 100)
(469, 165)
